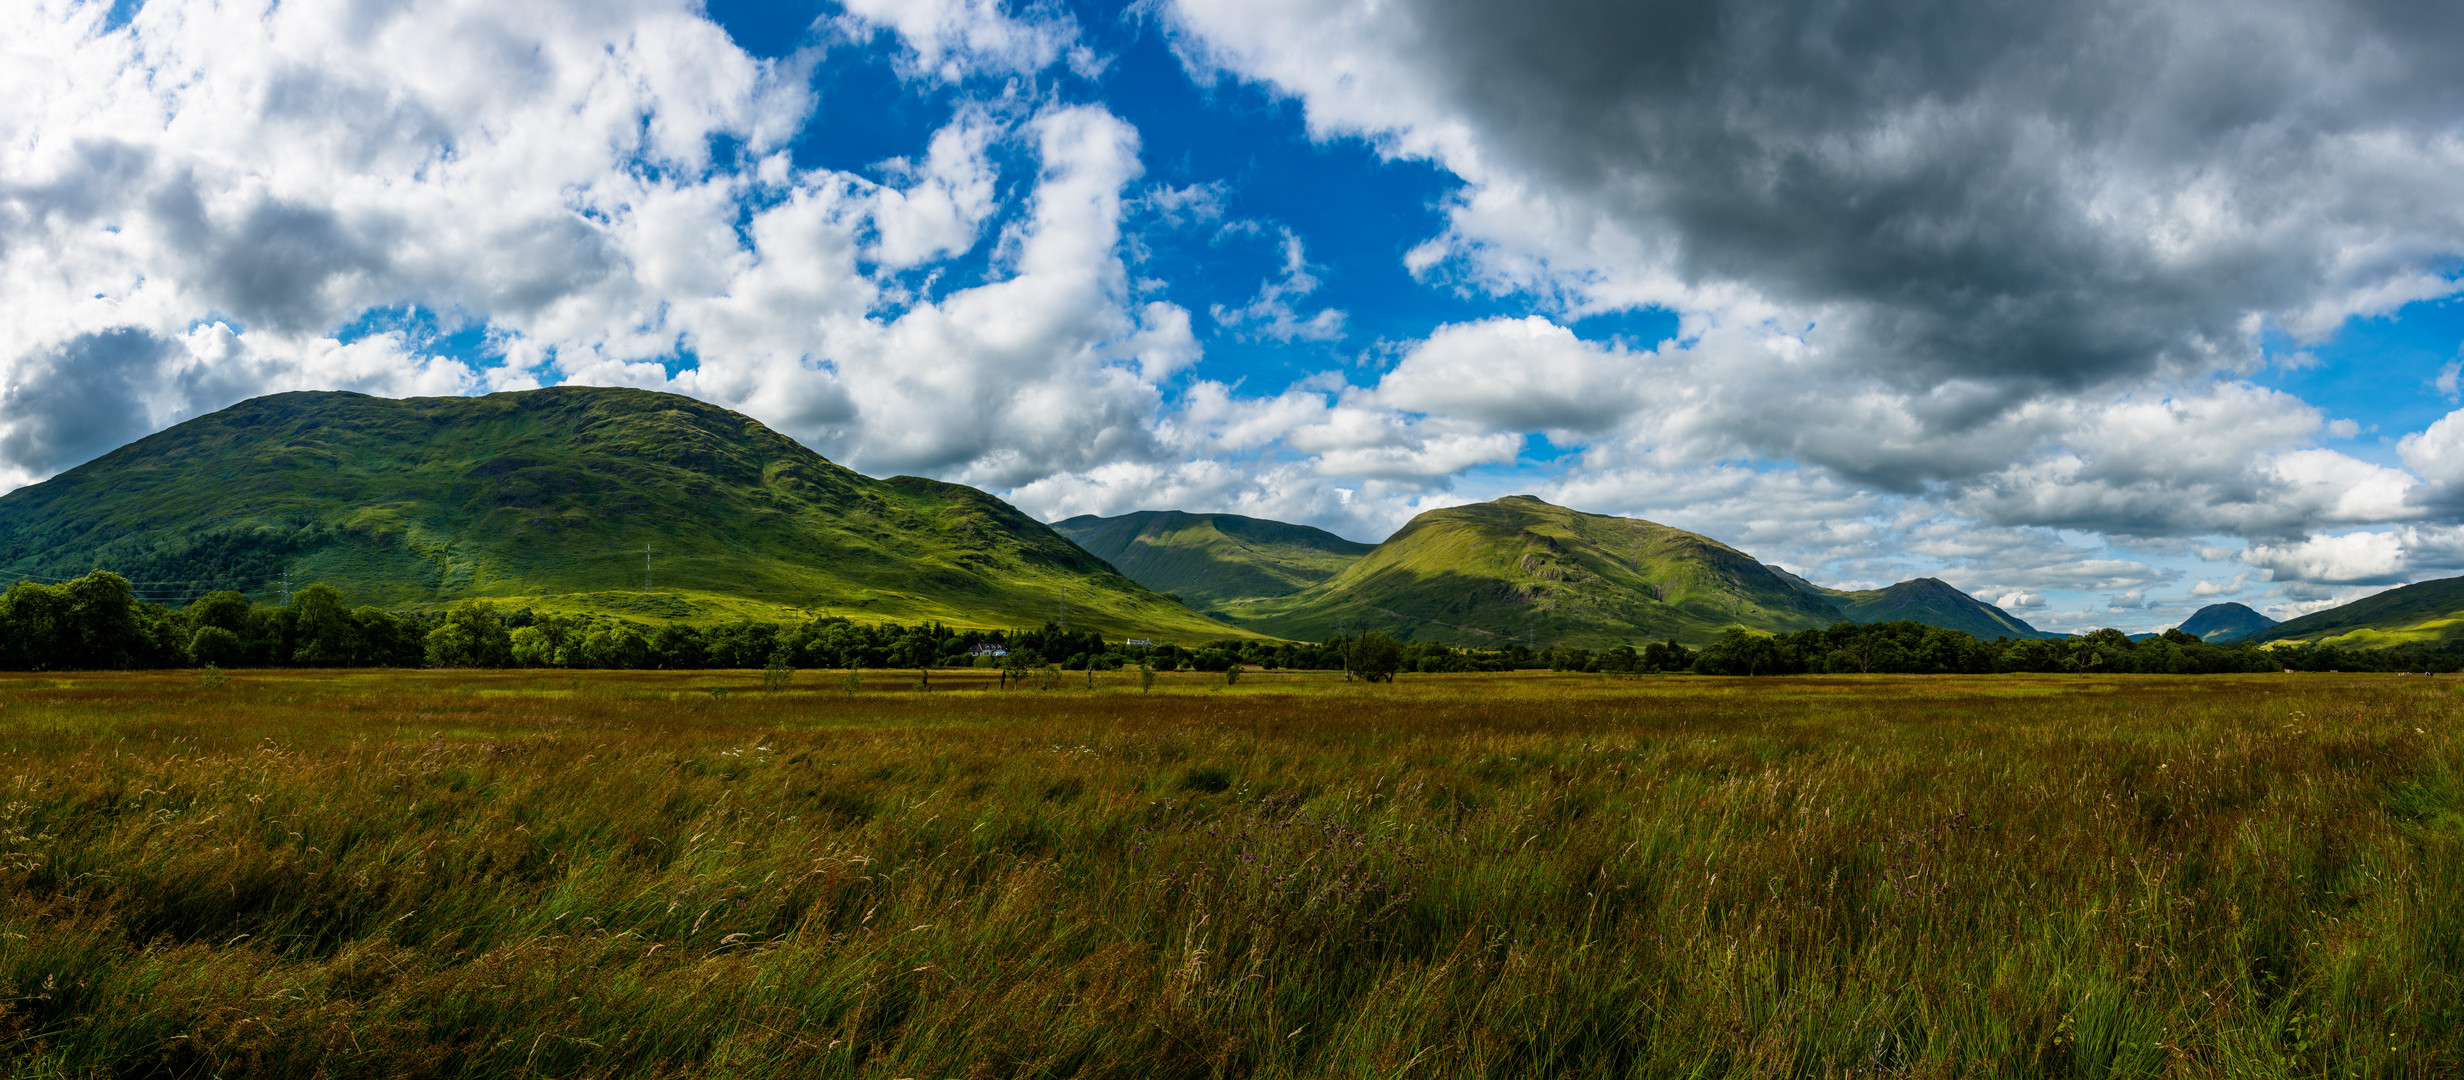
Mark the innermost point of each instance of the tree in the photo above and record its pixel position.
(677, 648)
(619, 648)
(103, 628)
(471, 636)
(1742, 652)
(386, 639)
(229, 611)
(323, 633)
(35, 634)
(214, 646)
(532, 646)
(1376, 657)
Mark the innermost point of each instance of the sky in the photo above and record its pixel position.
(2100, 311)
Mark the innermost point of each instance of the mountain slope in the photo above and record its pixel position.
(2225, 624)
(1211, 559)
(2428, 611)
(1500, 571)
(1931, 601)
(549, 497)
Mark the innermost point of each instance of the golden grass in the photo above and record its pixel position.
(666, 874)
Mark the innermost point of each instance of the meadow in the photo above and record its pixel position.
(647, 873)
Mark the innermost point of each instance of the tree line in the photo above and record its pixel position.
(1917, 649)
(97, 622)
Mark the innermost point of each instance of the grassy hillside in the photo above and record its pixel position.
(2225, 624)
(1209, 560)
(1487, 574)
(2429, 611)
(1931, 601)
(549, 498)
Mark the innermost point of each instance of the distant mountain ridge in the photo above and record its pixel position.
(2226, 623)
(1211, 559)
(1516, 569)
(1927, 600)
(564, 498)
(1520, 569)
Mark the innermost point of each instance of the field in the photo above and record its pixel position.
(680, 874)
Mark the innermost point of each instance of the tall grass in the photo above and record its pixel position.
(655, 874)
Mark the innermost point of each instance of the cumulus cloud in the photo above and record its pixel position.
(2046, 195)
(2204, 587)
(72, 402)
(2229, 458)
(2437, 453)
(2017, 258)
(2364, 557)
(279, 171)
(1525, 374)
(952, 39)
(1957, 297)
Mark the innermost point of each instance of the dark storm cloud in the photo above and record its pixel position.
(1979, 207)
(289, 266)
(80, 400)
(95, 181)
(1987, 185)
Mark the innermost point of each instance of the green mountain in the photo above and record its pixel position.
(2429, 611)
(1209, 560)
(1931, 601)
(1495, 572)
(2224, 624)
(551, 498)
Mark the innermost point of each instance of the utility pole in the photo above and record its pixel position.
(645, 568)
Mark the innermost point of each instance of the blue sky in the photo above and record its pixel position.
(2100, 322)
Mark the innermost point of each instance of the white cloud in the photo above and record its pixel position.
(1524, 374)
(2356, 557)
(2029, 298)
(193, 210)
(941, 212)
(2204, 587)
(952, 39)
(1271, 316)
(2437, 452)
(278, 170)
(1164, 343)
(2227, 459)
(1421, 459)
